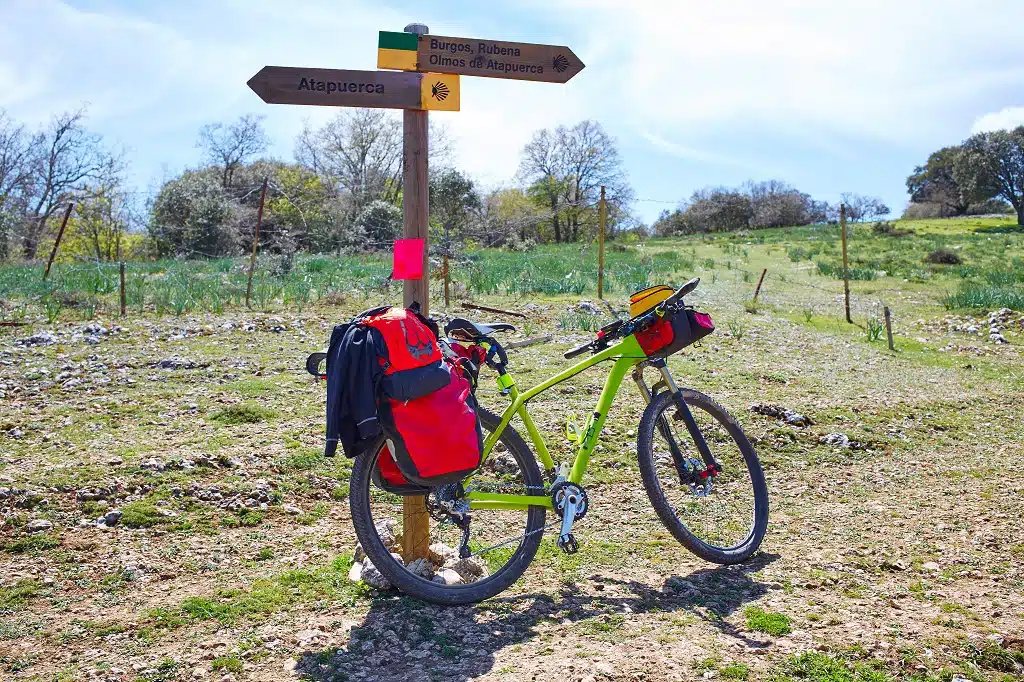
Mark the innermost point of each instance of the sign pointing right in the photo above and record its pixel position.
(474, 57)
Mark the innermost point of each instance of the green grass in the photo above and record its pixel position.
(15, 596)
(980, 297)
(231, 664)
(768, 622)
(29, 544)
(735, 671)
(245, 413)
(995, 657)
(268, 595)
(141, 514)
(815, 666)
(246, 518)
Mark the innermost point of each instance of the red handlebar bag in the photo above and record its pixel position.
(674, 332)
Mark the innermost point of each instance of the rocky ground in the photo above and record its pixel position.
(167, 514)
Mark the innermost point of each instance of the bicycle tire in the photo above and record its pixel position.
(414, 586)
(648, 470)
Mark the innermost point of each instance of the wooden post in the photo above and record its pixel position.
(600, 247)
(56, 243)
(888, 327)
(256, 241)
(124, 301)
(846, 262)
(415, 220)
(759, 282)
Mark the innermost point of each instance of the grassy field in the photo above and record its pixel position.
(896, 558)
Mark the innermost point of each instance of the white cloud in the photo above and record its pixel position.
(1010, 117)
(702, 156)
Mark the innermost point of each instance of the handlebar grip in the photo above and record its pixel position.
(579, 350)
(680, 292)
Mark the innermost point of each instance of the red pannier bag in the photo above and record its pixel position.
(425, 406)
(434, 439)
(673, 332)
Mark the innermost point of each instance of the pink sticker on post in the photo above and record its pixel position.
(408, 259)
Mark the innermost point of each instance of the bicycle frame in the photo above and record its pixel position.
(626, 354)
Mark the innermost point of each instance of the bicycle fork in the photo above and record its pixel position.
(683, 413)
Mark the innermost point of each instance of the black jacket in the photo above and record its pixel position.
(353, 378)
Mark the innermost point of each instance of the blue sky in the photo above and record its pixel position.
(830, 97)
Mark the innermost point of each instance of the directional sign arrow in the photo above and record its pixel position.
(370, 89)
(474, 57)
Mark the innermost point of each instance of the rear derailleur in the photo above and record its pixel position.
(570, 502)
(447, 504)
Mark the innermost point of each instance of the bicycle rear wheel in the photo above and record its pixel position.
(723, 522)
(502, 542)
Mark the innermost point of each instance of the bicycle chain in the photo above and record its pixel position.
(516, 489)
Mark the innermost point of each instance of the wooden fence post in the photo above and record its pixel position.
(124, 302)
(415, 222)
(888, 327)
(256, 241)
(759, 282)
(603, 212)
(56, 243)
(846, 262)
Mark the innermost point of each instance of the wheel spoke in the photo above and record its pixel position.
(723, 518)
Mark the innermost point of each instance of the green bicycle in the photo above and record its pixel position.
(700, 472)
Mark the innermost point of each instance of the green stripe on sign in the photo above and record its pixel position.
(389, 40)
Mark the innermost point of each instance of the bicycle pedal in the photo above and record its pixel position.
(567, 543)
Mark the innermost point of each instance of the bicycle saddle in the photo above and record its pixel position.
(461, 328)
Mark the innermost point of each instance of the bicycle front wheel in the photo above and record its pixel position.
(721, 518)
(502, 543)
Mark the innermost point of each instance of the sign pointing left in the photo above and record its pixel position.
(344, 88)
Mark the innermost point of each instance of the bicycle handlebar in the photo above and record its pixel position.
(579, 350)
(680, 292)
(639, 324)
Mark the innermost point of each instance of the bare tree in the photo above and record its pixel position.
(860, 207)
(15, 177)
(66, 158)
(541, 168)
(565, 169)
(358, 153)
(230, 146)
(591, 160)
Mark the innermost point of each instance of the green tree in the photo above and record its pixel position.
(375, 228)
(453, 200)
(935, 183)
(189, 215)
(991, 165)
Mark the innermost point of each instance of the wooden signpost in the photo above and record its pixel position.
(436, 62)
(474, 57)
(368, 89)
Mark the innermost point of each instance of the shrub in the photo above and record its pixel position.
(886, 229)
(943, 257)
